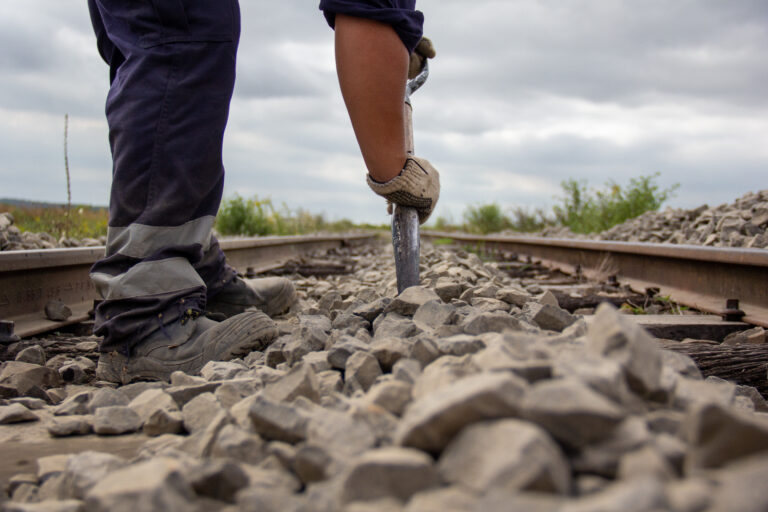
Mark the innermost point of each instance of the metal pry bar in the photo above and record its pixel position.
(405, 220)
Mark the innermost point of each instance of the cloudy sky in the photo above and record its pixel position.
(523, 94)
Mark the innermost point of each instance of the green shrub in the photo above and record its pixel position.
(485, 218)
(238, 216)
(444, 224)
(525, 221)
(249, 217)
(585, 211)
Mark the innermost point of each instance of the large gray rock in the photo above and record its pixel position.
(443, 499)
(603, 456)
(410, 300)
(441, 372)
(604, 375)
(295, 347)
(571, 411)
(647, 461)
(236, 443)
(232, 391)
(689, 392)
(423, 349)
(741, 486)
(719, 435)
(388, 351)
(480, 323)
(407, 370)
(350, 323)
(51, 465)
(505, 454)
(342, 349)
(106, 397)
(312, 463)
(394, 325)
(361, 370)
(222, 370)
(184, 393)
(201, 443)
(435, 313)
(156, 484)
(63, 426)
(134, 389)
(34, 355)
(635, 495)
(300, 381)
(163, 421)
(372, 310)
(448, 288)
(218, 480)
(342, 434)
(76, 404)
(460, 344)
(388, 473)
(613, 336)
(150, 401)
(25, 379)
(430, 422)
(515, 296)
(116, 420)
(392, 395)
(197, 413)
(85, 469)
(277, 421)
(16, 413)
(691, 495)
(549, 317)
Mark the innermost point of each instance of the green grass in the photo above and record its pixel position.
(580, 208)
(250, 217)
(83, 222)
(485, 218)
(590, 211)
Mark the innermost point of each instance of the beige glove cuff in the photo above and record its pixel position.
(418, 186)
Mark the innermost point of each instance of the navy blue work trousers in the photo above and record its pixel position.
(172, 73)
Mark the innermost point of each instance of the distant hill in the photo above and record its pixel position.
(23, 203)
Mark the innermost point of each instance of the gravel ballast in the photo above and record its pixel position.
(495, 401)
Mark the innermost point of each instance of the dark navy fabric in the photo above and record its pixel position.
(401, 14)
(172, 72)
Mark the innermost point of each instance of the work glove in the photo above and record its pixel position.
(424, 50)
(417, 186)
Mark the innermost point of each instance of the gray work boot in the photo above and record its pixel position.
(187, 346)
(272, 295)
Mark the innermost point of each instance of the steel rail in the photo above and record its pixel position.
(30, 279)
(699, 277)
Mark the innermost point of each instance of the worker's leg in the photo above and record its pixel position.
(373, 41)
(167, 108)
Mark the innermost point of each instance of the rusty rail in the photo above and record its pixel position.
(29, 279)
(699, 277)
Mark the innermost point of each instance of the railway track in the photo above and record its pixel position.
(708, 279)
(703, 278)
(30, 279)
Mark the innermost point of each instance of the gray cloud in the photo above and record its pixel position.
(523, 94)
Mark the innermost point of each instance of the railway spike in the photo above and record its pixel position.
(732, 313)
(6, 332)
